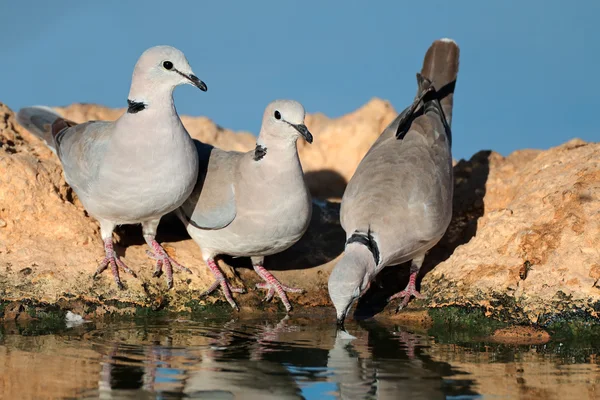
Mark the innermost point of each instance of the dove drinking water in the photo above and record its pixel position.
(398, 204)
(252, 204)
(135, 169)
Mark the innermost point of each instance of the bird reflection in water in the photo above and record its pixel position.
(287, 359)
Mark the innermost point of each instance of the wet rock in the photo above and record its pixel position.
(12, 311)
(520, 335)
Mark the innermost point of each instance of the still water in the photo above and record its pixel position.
(289, 358)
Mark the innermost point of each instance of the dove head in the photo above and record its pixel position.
(158, 71)
(350, 279)
(283, 121)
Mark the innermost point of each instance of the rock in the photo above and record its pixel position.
(531, 251)
(12, 311)
(520, 335)
(49, 247)
(522, 243)
(415, 319)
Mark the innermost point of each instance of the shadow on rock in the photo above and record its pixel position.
(170, 229)
(323, 241)
(470, 178)
(323, 230)
(325, 184)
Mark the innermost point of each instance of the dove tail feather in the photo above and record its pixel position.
(39, 120)
(440, 66)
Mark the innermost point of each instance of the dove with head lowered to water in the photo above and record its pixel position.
(398, 204)
(135, 169)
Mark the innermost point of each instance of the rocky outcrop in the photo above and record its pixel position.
(523, 243)
(536, 248)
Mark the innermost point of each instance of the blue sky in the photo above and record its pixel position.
(528, 76)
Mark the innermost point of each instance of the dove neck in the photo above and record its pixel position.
(362, 256)
(152, 117)
(155, 100)
(277, 143)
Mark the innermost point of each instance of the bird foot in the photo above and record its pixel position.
(223, 283)
(163, 260)
(273, 285)
(407, 293)
(115, 263)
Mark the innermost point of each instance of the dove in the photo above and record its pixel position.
(398, 203)
(135, 169)
(252, 204)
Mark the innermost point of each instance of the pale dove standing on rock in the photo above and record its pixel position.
(135, 169)
(252, 204)
(398, 204)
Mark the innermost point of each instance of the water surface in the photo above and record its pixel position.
(289, 358)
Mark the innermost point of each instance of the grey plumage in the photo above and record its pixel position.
(244, 205)
(398, 204)
(137, 168)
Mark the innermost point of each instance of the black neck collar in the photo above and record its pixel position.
(259, 152)
(135, 106)
(367, 240)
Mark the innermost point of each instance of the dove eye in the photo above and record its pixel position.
(168, 65)
(277, 115)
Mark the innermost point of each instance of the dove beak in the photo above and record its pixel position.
(342, 316)
(194, 80)
(303, 130)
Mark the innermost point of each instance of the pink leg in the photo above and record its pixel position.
(221, 281)
(115, 263)
(163, 259)
(408, 292)
(273, 285)
(410, 340)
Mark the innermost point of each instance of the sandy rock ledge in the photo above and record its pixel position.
(524, 243)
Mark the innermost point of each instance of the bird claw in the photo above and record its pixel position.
(270, 293)
(158, 269)
(274, 286)
(227, 290)
(164, 260)
(406, 294)
(112, 260)
(161, 259)
(268, 286)
(220, 280)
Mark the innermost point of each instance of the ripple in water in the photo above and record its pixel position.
(291, 358)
